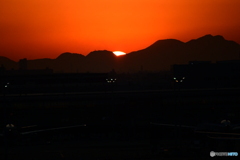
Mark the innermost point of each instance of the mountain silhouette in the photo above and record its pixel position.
(212, 48)
(69, 62)
(100, 61)
(157, 57)
(8, 63)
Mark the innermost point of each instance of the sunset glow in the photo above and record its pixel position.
(119, 53)
(45, 29)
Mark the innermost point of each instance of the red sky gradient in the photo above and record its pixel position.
(46, 28)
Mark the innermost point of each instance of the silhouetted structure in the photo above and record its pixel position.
(25, 72)
(198, 74)
(37, 81)
(23, 64)
(2, 68)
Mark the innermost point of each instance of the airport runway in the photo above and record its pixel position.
(119, 108)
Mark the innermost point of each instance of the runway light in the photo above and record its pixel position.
(10, 126)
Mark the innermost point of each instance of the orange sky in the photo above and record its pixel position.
(46, 28)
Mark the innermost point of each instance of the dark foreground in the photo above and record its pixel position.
(100, 147)
(118, 124)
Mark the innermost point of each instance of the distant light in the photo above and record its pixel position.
(181, 81)
(6, 86)
(174, 78)
(225, 122)
(183, 78)
(10, 126)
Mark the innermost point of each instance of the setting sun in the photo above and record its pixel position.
(45, 29)
(119, 53)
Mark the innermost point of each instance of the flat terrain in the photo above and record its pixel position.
(118, 123)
